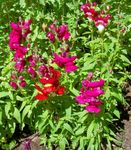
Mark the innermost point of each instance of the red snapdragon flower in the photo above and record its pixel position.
(51, 84)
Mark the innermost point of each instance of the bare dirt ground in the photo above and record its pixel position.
(127, 122)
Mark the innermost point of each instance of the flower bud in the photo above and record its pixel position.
(31, 71)
(22, 83)
(13, 85)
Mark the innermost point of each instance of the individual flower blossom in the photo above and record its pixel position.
(21, 78)
(65, 62)
(13, 76)
(89, 11)
(123, 30)
(23, 83)
(14, 39)
(101, 22)
(90, 76)
(100, 19)
(20, 30)
(89, 94)
(94, 84)
(51, 36)
(20, 52)
(53, 27)
(93, 108)
(70, 66)
(51, 84)
(31, 71)
(25, 27)
(43, 71)
(27, 144)
(19, 65)
(32, 59)
(14, 85)
(63, 33)
(60, 33)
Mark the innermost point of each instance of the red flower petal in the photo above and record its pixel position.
(41, 97)
(38, 88)
(49, 89)
(60, 91)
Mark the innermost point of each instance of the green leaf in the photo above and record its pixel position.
(22, 3)
(68, 128)
(125, 59)
(60, 123)
(89, 64)
(68, 112)
(117, 113)
(62, 143)
(80, 130)
(17, 115)
(74, 91)
(81, 144)
(7, 109)
(35, 33)
(91, 144)
(4, 94)
(11, 95)
(25, 111)
(42, 2)
(90, 129)
(0, 116)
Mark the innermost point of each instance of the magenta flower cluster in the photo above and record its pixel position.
(90, 90)
(100, 19)
(15, 81)
(63, 60)
(89, 94)
(60, 33)
(17, 38)
(18, 34)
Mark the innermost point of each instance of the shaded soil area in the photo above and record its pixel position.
(127, 121)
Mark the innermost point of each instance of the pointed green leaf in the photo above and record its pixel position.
(17, 115)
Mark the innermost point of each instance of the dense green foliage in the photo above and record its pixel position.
(60, 120)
